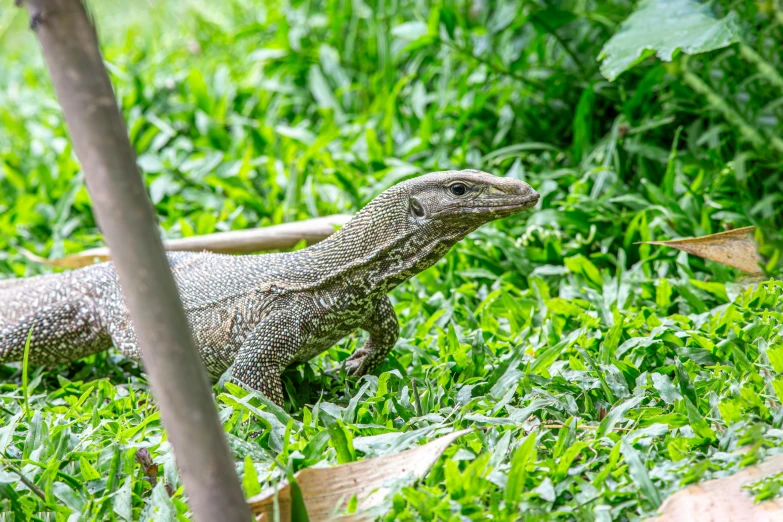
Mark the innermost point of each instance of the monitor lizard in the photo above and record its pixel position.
(258, 314)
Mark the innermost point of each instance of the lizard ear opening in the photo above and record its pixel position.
(417, 209)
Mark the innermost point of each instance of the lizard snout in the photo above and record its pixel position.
(514, 192)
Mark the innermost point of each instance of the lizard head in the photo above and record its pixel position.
(411, 225)
(429, 214)
(466, 198)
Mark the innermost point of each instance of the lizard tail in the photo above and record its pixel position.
(64, 322)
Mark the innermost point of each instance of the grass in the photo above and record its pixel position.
(605, 375)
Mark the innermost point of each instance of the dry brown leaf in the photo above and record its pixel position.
(277, 237)
(328, 490)
(724, 499)
(735, 248)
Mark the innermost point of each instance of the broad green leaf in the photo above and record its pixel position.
(716, 289)
(697, 421)
(663, 292)
(663, 28)
(686, 385)
(517, 474)
(563, 307)
(162, 508)
(545, 490)
(122, 503)
(609, 467)
(775, 356)
(68, 496)
(568, 458)
(777, 385)
(342, 442)
(35, 434)
(583, 266)
(616, 414)
(639, 474)
(88, 471)
(545, 359)
(731, 409)
(7, 431)
(250, 478)
(598, 373)
(666, 389)
(298, 507)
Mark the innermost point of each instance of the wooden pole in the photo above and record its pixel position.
(126, 217)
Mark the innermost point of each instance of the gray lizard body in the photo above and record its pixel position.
(259, 314)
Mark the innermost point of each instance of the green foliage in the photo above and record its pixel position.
(664, 28)
(605, 374)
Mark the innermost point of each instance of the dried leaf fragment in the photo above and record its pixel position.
(725, 499)
(327, 491)
(150, 469)
(735, 248)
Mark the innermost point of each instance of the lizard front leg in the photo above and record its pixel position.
(384, 330)
(266, 352)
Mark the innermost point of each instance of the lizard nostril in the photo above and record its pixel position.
(520, 188)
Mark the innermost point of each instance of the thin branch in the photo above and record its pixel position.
(578, 426)
(27, 482)
(492, 65)
(562, 42)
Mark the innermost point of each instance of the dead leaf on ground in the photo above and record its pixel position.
(150, 469)
(735, 248)
(327, 491)
(276, 237)
(724, 499)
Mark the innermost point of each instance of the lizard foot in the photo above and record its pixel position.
(356, 364)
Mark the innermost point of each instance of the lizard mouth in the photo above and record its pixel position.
(506, 206)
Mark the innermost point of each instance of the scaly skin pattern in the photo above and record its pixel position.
(259, 314)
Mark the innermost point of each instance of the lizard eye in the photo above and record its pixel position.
(417, 208)
(458, 189)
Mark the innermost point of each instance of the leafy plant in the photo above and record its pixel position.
(664, 28)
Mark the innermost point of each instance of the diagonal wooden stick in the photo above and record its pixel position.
(126, 217)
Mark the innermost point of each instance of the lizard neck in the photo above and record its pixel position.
(380, 247)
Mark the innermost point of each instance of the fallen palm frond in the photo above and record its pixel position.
(726, 499)
(276, 237)
(327, 491)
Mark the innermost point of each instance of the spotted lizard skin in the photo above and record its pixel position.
(259, 314)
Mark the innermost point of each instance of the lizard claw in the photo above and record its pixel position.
(352, 368)
(354, 364)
